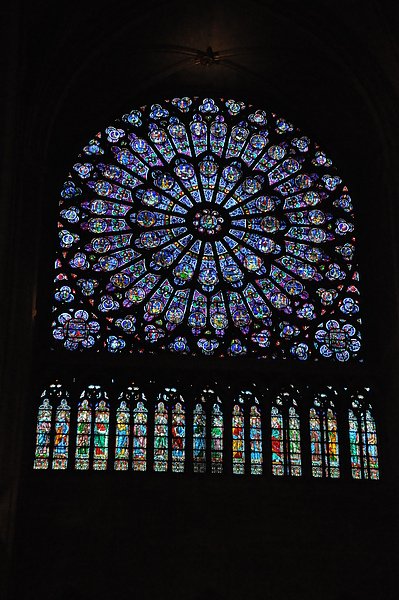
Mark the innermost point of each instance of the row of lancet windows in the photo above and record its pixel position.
(205, 436)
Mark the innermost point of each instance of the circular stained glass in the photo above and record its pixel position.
(204, 226)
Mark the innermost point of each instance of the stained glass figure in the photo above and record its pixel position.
(355, 444)
(248, 399)
(369, 436)
(363, 439)
(206, 227)
(278, 455)
(286, 437)
(161, 438)
(101, 435)
(255, 435)
(140, 437)
(238, 440)
(43, 429)
(178, 430)
(92, 395)
(122, 437)
(61, 435)
(53, 395)
(324, 438)
(83, 436)
(199, 439)
(294, 441)
(217, 439)
(134, 397)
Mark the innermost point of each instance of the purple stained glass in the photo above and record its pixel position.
(206, 227)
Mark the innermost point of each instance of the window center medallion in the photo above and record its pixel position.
(208, 221)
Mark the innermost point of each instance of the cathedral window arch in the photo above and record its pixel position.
(208, 229)
(363, 438)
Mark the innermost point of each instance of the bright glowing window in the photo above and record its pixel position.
(255, 435)
(238, 440)
(101, 436)
(206, 227)
(140, 437)
(83, 436)
(363, 439)
(201, 421)
(61, 435)
(286, 436)
(324, 438)
(217, 429)
(178, 437)
(199, 439)
(122, 437)
(161, 441)
(43, 428)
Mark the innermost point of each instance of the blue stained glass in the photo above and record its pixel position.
(363, 439)
(199, 439)
(61, 436)
(225, 202)
(199, 135)
(255, 435)
(43, 429)
(140, 437)
(324, 439)
(161, 438)
(178, 430)
(122, 437)
(217, 439)
(83, 436)
(101, 436)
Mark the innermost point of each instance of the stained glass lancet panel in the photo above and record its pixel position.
(43, 433)
(122, 437)
(370, 436)
(206, 227)
(134, 397)
(371, 447)
(178, 437)
(61, 435)
(53, 395)
(101, 436)
(217, 429)
(199, 439)
(161, 437)
(316, 443)
(363, 439)
(140, 417)
(277, 429)
(248, 399)
(286, 437)
(324, 438)
(87, 430)
(294, 442)
(331, 445)
(238, 440)
(83, 436)
(255, 435)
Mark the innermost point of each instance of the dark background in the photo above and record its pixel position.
(69, 69)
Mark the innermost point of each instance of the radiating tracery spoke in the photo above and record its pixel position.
(206, 227)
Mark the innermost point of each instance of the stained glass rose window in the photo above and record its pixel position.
(206, 227)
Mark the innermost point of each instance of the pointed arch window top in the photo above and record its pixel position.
(206, 227)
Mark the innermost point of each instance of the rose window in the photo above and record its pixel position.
(206, 227)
